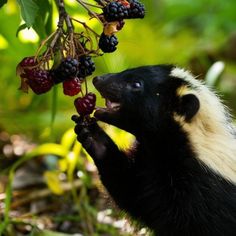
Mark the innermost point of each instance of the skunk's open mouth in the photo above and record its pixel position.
(115, 106)
(111, 95)
(110, 106)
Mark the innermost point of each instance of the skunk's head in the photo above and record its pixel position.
(144, 98)
(157, 98)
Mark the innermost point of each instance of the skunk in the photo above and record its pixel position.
(179, 177)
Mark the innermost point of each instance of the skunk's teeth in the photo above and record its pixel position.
(112, 105)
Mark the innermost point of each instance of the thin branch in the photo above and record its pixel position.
(89, 11)
(85, 26)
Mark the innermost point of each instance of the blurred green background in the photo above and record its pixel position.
(191, 34)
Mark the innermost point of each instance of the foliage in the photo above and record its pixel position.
(193, 34)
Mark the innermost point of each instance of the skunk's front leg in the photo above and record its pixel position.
(114, 166)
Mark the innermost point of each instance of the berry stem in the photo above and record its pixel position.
(89, 11)
(69, 24)
(86, 26)
(80, 47)
(58, 34)
(86, 86)
(62, 12)
(72, 45)
(63, 16)
(42, 44)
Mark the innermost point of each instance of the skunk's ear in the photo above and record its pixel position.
(188, 106)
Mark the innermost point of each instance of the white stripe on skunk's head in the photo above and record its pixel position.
(210, 130)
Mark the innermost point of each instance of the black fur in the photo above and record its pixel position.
(159, 182)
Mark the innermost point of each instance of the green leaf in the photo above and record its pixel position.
(49, 22)
(39, 27)
(53, 182)
(44, 7)
(21, 27)
(68, 139)
(29, 11)
(2, 2)
(41, 19)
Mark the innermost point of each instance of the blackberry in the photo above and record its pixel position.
(72, 87)
(108, 43)
(28, 62)
(39, 81)
(85, 105)
(136, 9)
(86, 66)
(25, 66)
(115, 11)
(67, 69)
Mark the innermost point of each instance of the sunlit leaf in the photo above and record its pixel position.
(68, 139)
(122, 138)
(88, 157)
(21, 27)
(53, 182)
(29, 11)
(49, 148)
(39, 27)
(48, 23)
(72, 161)
(41, 19)
(63, 165)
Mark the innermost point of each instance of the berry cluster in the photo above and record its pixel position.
(67, 69)
(39, 80)
(67, 59)
(70, 72)
(108, 43)
(114, 14)
(119, 10)
(115, 11)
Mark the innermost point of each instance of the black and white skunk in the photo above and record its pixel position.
(179, 178)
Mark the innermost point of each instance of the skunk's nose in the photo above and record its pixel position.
(97, 80)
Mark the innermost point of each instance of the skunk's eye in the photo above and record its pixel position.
(136, 85)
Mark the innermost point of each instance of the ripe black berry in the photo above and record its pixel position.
(86, 104)
(108, 43)
(67, 69)
(39, 81)
(86, 66)
(115, 11)
(136, 9)
(72, 87)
